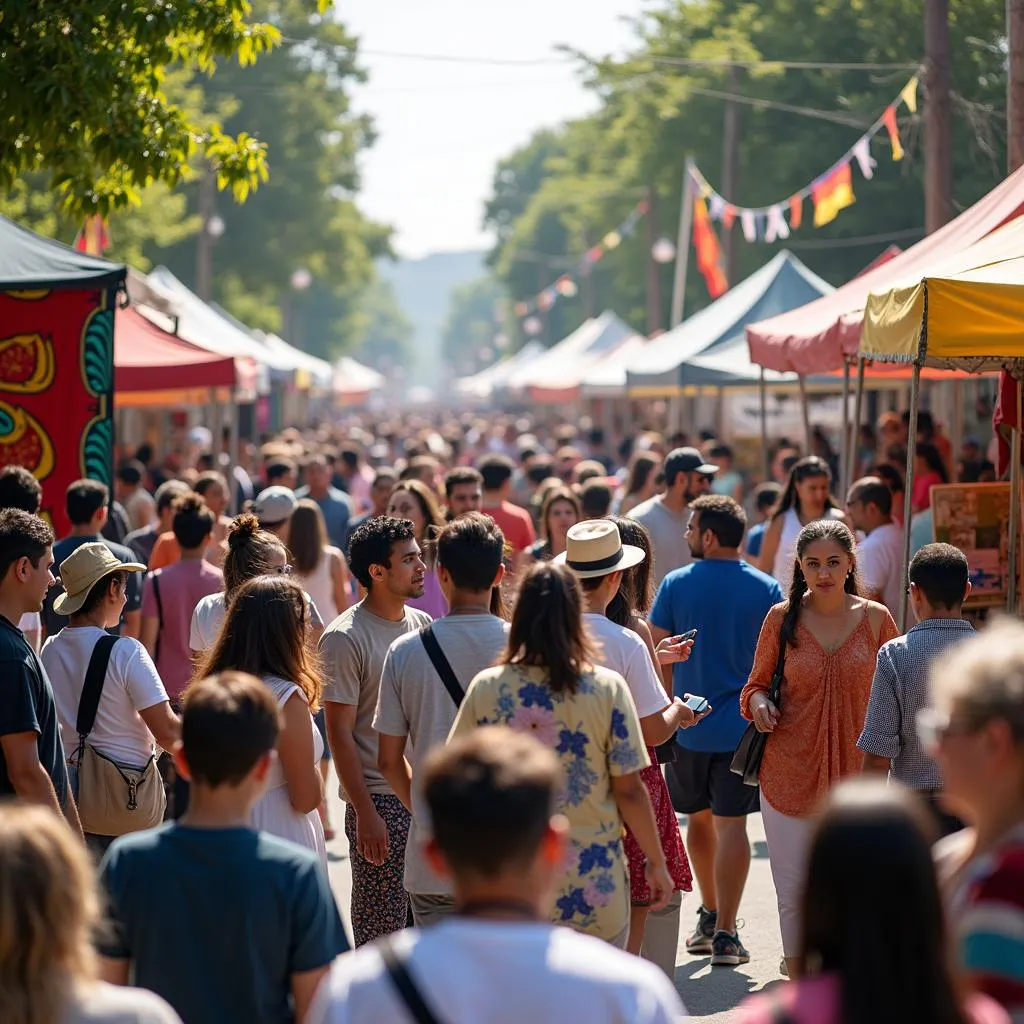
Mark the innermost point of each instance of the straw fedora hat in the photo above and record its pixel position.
(83, 569)
(594, 548)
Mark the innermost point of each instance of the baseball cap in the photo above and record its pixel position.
(687, 460)
(274, 505)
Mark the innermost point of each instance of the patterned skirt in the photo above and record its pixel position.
(669, 834)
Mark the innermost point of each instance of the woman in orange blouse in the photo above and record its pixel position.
(832, 637)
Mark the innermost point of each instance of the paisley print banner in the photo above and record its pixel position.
(56, 389)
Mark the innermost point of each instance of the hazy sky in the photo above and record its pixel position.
(443, 124)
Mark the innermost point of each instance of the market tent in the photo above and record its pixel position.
(607, 378)
(29, 262)
(781, 284)
(964, 312)
(555, 375)
(354, 382)
(310, 369)
(820, 336)
(482, 384)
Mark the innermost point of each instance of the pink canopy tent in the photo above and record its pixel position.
(825, 334)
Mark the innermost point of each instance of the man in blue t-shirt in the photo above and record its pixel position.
(726, 601)
(225, 923)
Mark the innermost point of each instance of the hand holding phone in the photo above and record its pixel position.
(675, 649)
(698, 705)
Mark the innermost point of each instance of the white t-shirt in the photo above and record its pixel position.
(210, 614)
(131, 686)
(880, 560)
(624, 652)
(469, 971)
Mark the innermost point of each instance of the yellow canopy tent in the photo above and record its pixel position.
(967, 313)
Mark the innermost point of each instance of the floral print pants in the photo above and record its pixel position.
(380, 904)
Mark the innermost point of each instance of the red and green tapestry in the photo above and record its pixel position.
(56, 389)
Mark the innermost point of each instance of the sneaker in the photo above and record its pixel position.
(699, 943)
(727, 950)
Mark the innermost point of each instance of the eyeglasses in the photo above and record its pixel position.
(285, 570)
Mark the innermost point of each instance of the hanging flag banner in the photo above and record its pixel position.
(709, 252)
(830, 192)
(565, 286)
(92, 239)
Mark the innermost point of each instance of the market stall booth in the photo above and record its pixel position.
(56, 363)
(964, 314)
(483, 385)
(354, 384)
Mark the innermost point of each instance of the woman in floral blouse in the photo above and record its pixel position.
(548, 685)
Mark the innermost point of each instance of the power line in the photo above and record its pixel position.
(859, 240)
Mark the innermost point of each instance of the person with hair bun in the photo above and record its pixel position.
(252, 552)
(831, 636)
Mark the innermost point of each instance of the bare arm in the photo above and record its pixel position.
(304, 986)
(163, 723)
(132, 625)
(114, 972)
(657, 635)
(770, 546)
(150, 631)
(295, 752)
(27, 775)
(634, 806)
(645, 632)
(875, 765)
(339, 582)
(394, 767)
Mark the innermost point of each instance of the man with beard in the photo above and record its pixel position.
(385, 558)
(726, 601)
(664, 517)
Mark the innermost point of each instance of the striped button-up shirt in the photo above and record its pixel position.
(899, 690)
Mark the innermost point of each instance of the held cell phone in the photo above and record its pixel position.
(698, 705)
(687, 636)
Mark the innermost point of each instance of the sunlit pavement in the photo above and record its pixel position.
(711, 994)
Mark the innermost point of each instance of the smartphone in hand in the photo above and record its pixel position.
(698, 705)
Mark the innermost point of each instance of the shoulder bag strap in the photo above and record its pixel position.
(95, 675)
(775, 690)
(441, 665)
(407, 989)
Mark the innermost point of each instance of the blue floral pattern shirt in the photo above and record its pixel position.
(596, 734)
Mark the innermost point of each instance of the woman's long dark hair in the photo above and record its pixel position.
(641, 466)
(635, 594)
(933, 460)
(307, 537)
(806, 468)
(872, 848)
(820, 529)
(264, 634)
(547, 627)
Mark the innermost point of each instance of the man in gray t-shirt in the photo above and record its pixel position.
(385, 558)
(414, 702)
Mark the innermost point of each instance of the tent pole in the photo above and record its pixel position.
(858, 411)
(846, 462)
(1012, 594)
(762, 388)
(908, 492)
(233, 448)
(682, 246)
(806, 410)
(958, 423)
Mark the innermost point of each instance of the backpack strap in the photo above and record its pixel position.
(95, 675)
(408, 990)
(441, 665)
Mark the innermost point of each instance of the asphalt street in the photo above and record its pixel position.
(711, 994)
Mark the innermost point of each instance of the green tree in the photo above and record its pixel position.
(474, 332)
(82, 90)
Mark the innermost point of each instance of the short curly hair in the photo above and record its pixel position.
(373, 542)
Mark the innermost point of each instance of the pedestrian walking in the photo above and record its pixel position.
(273, 507)
(317, 565)
(143, 541)
(560, 511)
(51, 914)
(492, 800)
(939, 585)
(32, 765)
(877, 839)
(225, 923)
(415, 501)
(463, 491)
(549, 684)
(424, 680)
(664, 517)
(115, 754)
(265, 634)
(385, 558)
(335, 505)
(975, 730)
(880, 553)
(725, 600)
(20, 489)
(515, 523)
(806, 498)
(826, 638)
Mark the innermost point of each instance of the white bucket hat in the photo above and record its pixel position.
(594, 548)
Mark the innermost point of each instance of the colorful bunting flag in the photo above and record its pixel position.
(909, 95)
(729, 216)
(709, 252)
(611, 240)
(832, 194)
(862, 151)
(796, 212)
(777, 227)
(93, 239)
(749, 222)
(889, 120)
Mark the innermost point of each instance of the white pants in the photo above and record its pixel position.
(789, 841)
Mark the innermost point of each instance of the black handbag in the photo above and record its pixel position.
(747, 759)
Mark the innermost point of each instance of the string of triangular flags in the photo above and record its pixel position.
(566, 285)
(830, 193)
(92, 239)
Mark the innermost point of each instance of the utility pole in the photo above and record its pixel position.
(653, 270)
(730, 169)
(938, 134)
(1015, 83)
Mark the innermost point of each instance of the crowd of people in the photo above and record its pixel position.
(527, 653)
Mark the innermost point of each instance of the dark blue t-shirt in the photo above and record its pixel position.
(217, 920)
(755, 538)
(726, 601)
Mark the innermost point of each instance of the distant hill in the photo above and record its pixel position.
(423, 287)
